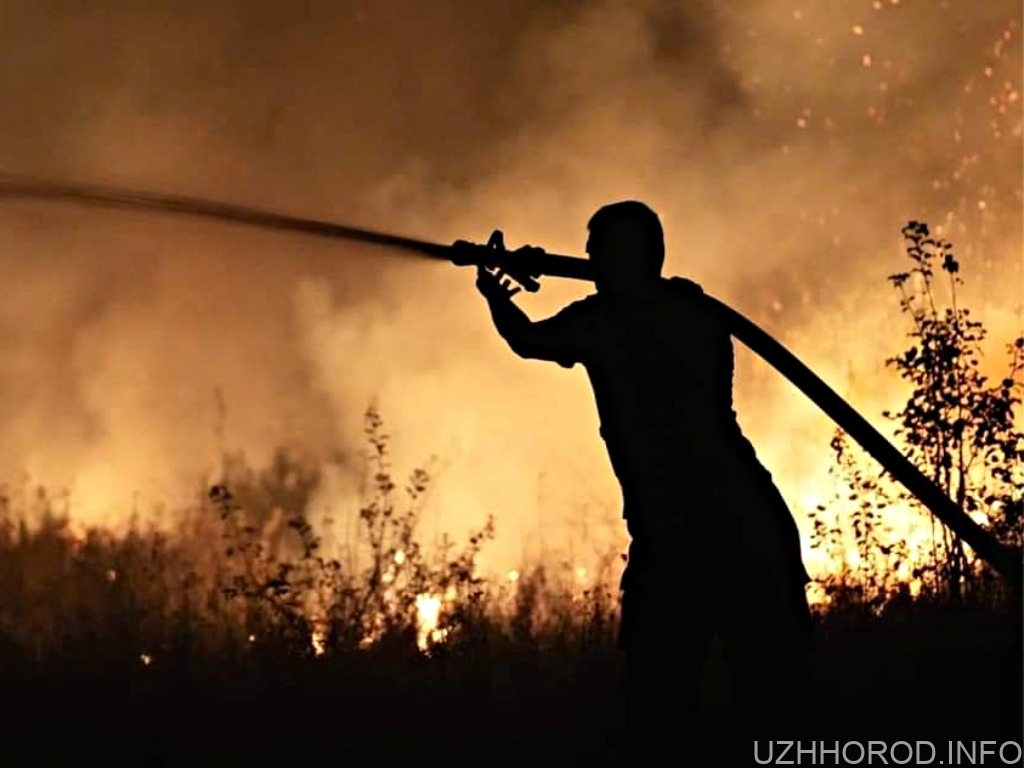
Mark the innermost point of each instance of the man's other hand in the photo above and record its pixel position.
(495, 286)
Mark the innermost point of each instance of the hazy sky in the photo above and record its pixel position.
(784, 143)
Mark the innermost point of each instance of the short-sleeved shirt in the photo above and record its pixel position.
(661, 369)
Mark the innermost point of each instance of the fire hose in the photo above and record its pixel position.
(526, 267)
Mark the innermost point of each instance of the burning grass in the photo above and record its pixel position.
(246, 627)
(236, 633)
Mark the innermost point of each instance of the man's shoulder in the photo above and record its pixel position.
(595, 304)
(683, 287)
(688, 297)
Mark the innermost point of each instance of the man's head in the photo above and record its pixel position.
(626, 246)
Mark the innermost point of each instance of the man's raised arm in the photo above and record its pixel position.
(560, 339)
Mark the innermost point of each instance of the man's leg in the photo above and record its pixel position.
(767, 627)
(768, 644)
(665, 642)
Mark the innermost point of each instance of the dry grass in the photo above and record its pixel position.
(200, 640)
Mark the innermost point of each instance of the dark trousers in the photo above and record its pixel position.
(667, 629)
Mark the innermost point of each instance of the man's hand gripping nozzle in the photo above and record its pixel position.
(517, 264)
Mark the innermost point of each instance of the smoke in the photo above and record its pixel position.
(783, 148)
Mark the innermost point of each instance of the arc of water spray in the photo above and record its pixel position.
(1005, 560)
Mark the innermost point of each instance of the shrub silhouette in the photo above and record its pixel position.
(957, 426)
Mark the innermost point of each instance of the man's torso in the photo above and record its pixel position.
(661, 372)
(662, 375)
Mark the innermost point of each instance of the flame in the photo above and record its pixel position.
(318, 638)
(428, 614)
(430, 609)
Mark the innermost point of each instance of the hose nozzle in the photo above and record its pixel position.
(521, 265)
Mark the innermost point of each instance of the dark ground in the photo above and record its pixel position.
(920, 676)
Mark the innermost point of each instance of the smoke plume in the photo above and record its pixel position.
(783, 146)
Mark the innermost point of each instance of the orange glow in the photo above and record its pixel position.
(428, 614)
(138, 349)
(318, 638)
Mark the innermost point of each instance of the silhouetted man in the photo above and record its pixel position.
(714, 546)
